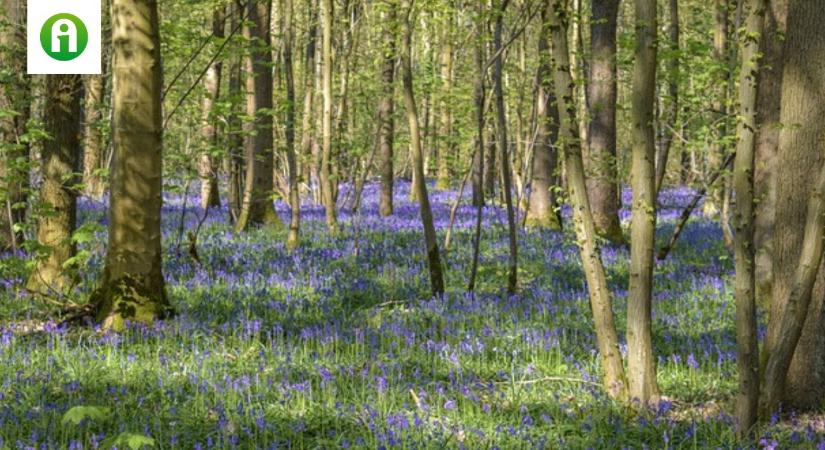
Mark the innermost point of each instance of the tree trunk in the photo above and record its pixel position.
(747, 401)
(92, 137)
(445, 141)
(767, 140)
(207, 167)
(289, 128)
(132, 286)
(235, 157)
(713, 203)
(668, 127)
(257, 208)
(327, 189)
(430, 240)
(544, 211)
(601, 304)
(14, 96)
(503, 145)
(640, 359)
(309, 94)
(60, 156)
(799, 284)
(386, 108)
(603, 184)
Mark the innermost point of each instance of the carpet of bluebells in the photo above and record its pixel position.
(339, 344)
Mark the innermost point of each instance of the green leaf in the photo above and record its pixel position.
(134, 441)
(77, 414)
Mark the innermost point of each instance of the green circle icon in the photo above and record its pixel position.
(64, 37)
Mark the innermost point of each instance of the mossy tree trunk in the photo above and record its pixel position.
(132, 285)
(289, 126)
(207, 165)
(327, 189)
(386, 107)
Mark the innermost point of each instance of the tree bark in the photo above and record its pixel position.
(327, 189)
(603, 184)
(58, 192)
(601, 304)
(132, 286)
(747, 358)
(430, 240)
(257, 208)
(235, 157)
(791, 347)
(309, 94)
(767, 141)
(207, 166)
(92, 137)
(640, 358)
(544, 211)
(386, 108)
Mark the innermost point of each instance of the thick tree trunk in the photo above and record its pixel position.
(747, 358)
(603, 184)
(386, 108)
(668, 127)
(600, 302)
(768, 107)
(503, 145)
(543, 211)
(430, 240)
(207, 166)
(799, 281)
(132, 286)
(257, 208)
(289, 128)
(327, 189)
(60, 156)
(640, 358)
(14, 96)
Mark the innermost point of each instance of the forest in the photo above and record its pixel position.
(483, 224)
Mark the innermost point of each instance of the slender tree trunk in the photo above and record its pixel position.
(503, 145)
(327, 189)
(309, 94)
(713, 203)
(132, 286)
(640, 359)
(289, 127)
(257, 208)
(92, 137)
(767, 141)
(430, 239)
(747, 358)
(795, 346)
(60, 156)
(601, 304)
(544, 211)
(386, 107)
(235, 158)
(14, 96)
(668, 128)
(603, 185)
(478, 156)
(208, 167)
(445, 141)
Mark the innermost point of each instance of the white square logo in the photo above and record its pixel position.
(63, 37)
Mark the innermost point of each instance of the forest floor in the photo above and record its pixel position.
(338, 345)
